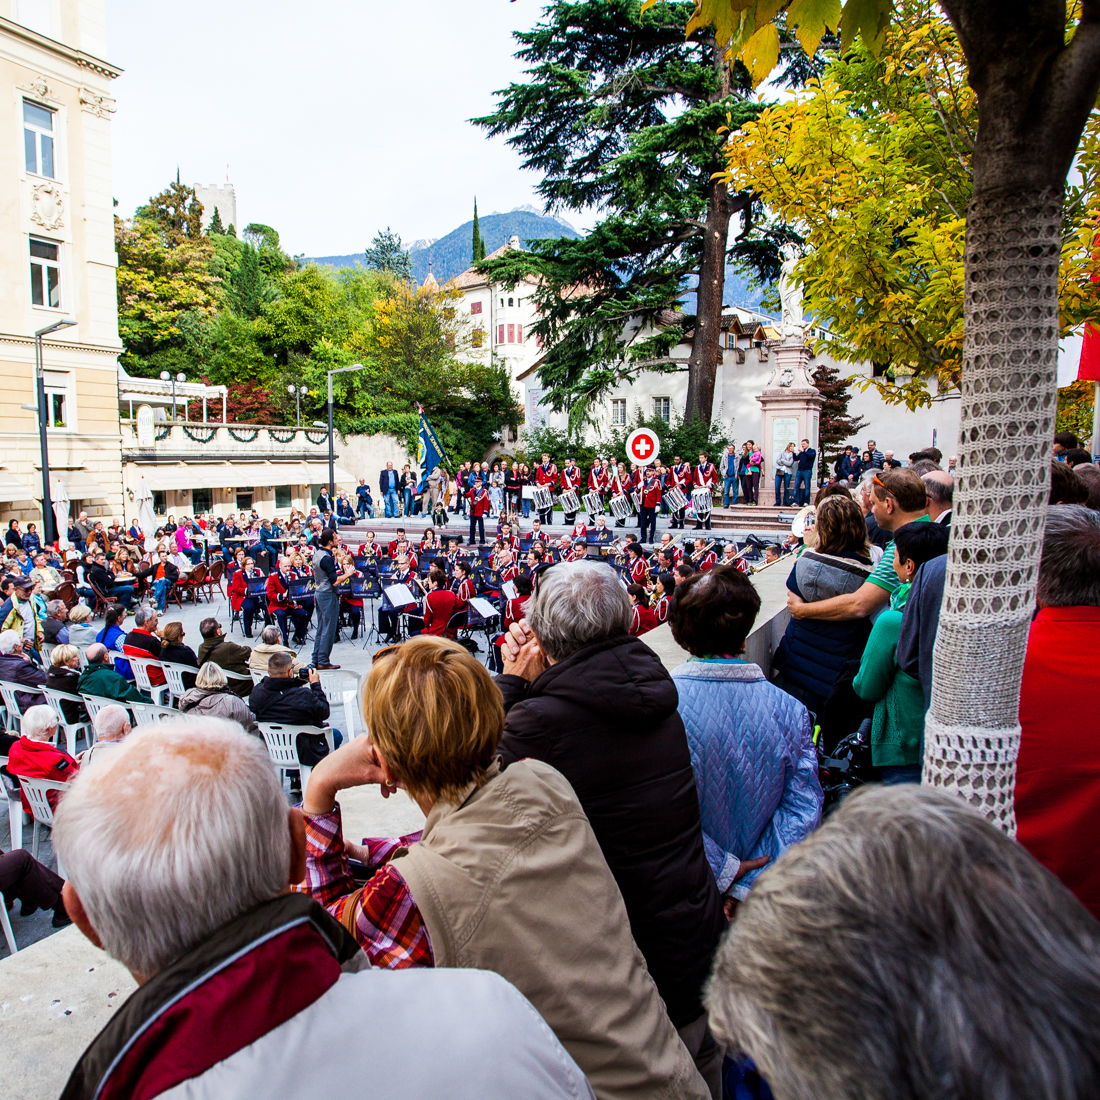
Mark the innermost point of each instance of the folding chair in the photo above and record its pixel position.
(334, 682)
(15, 805)
(173, 674)
(159, 693)
(283, 750)
(37, 792)
(11, 704)
(95, 703)
(146, 714)
(47, 653)
(72, 730)
(351, 713)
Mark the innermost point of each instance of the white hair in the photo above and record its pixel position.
(10, 641)
(177, 831)
(111, 723)
(577, 603)
(39, 722)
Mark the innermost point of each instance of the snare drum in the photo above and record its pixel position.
(620, 507)
(636, 496)
(543, 498)
(570, 502)
(674, 500)
(702, 501)
(593, 504)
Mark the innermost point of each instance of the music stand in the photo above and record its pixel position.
(369, 589)
(485, 613)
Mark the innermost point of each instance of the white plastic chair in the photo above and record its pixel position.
(282, 749)
(11, 704)
(15, 807)
(5, 923)
(159, 693)
(47, 653)
(72, 730)
(95, 703)
(236, 677)
(150, 713)
(37, 792)
(334, 682)
(174, 673)
(256, 676)
(351, 713)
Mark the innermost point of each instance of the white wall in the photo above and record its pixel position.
(367, 455)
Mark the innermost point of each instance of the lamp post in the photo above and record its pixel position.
(43, 413)
(331, 463)
(298, 393)
(165, 377)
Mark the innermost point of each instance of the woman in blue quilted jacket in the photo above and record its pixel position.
(751, 744)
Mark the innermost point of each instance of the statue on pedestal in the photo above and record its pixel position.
(790, 297)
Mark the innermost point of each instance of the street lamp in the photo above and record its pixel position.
(40, 382)
(298, 395)
(331, 462)
(165, 377)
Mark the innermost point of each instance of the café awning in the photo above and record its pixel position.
(11, 488)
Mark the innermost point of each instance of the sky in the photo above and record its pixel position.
(334, 118)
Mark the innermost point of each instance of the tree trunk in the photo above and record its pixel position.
(1034, 96)
(703, 363)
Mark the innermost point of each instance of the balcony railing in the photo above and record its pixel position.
(259, 440)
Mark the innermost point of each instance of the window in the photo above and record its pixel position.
(202, 500)
(38, 139)
(500, 334)
(618, 411)
(478, 337)
(662, 407)
(519, 334)
(879, 369)
(283, 496)
(509, 301)
(244, 500)
(160, 502)
(511, 334)
(56, 385)
(475, 307)
(45, 273)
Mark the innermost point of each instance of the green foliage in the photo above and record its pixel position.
(1075, 405)
(836, 427)
(215, 228)
(559, 444)
(232, 231)
(261, 236)
(619, 112)
(478, 240)
(386, 254)
(176, 212)
(688, 439)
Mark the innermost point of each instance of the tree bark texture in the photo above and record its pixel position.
(703, 362)
(1034, 96)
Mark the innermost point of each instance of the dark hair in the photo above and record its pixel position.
(668, 582)
(280, 663)
(840, 526)
(538, 556)
(437, 576)
(327, 538)
(685, 569)
(921, 541)
(1065, 486)
(713, 612)
(1068, 440)
(833, 490)
(637, 591)
(463, 565)
(115, 614)
(636, 547)
(1090, 476)
(523, 586)
(209, 628)
(929, 454)
(904, 486)
(1073, 458)
(923, 466)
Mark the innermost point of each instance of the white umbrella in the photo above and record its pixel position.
(60, 500)
(146, 517)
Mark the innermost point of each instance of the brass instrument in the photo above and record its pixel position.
(703, 552)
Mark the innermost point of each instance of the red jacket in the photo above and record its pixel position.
(651, 494)
(277, 594)
(639, 571)
(465, 592)
(1058, 769)
(439, 607)
(546, 475)
(660, 612)
(679, 476)
(479, 501)
(641, 620)
(596, 481)
(706, 475)
(571, 479)
(40, 760)
(709, 561)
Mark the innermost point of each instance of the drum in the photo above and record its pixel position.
(674, 500)
(620, 507)
(636, 496)
(593, 504)
(570, 502)
(701, 500)
(543, 498)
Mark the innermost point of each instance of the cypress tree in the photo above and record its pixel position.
(215, 228)
(479, 240)
(837, 426)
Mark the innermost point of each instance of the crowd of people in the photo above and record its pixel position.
(630, 881)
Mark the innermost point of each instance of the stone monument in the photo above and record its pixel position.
(790, 404)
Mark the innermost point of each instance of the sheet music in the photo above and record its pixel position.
(509, 590)
(399, 595)
(484, 608)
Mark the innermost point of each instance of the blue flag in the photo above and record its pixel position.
(429, 452)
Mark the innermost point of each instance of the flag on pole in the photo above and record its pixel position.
(429, 451)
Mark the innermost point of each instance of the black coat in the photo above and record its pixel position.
(290, 700)
(606, 718)
(61, 678)
(180, 654)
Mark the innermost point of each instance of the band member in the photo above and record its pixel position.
(546, 475)
(239, 599)
(350, 605)
(370, 547)
(641, 617)
(506, 536)
(441, 607)
(507, 566)
(565, 545)
(706, 477)
(674, 551)
(479, 503)
(729, 557)
(578, 552)
(666, 583)
(533, 566)
(597, 484)
(395, 541)
(454, 553)
(665, 563)
(620, 486)
(571, 479)
(704, 557)
(635, 557)
(389, 614)
(601, 533)
(429, 544)
(281, 605)
(513, 613)
(650, 489)
(403, 550)
(536, 534)
(465, 589)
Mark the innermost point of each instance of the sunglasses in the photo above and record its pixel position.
(885, 488)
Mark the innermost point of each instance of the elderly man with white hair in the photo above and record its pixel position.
(247, 989)
(112, 725)
(34, 756)
(17, 668)
(584, 696)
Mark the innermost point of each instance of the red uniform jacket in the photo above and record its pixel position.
(479, 501)
(439, 607)
(366, 548)
(513, 610)
(596, 481)
(465, 592)
(546, 475)
(641, 620)
(710, 559)
(238, 589)
(660, 612)
(679, 476)
(1058, 769)
(509, 572)
(570, 479)
(706, 475)
(651, 493)
(40, 760)
(639, 571)
(277, 594)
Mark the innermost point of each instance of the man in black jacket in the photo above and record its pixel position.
(283, 697)
(582, 695)
(104, 581)
(226, 654)
(17, 668)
